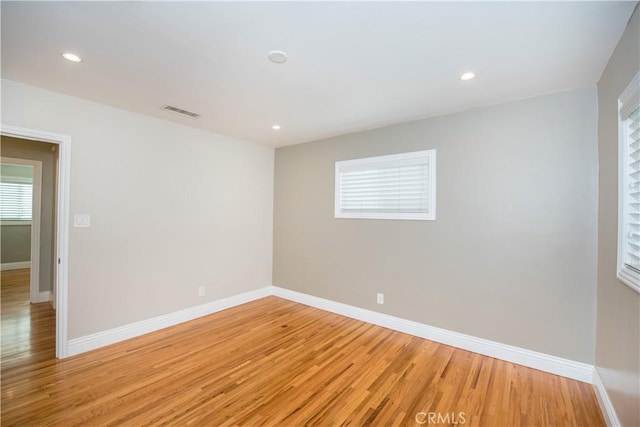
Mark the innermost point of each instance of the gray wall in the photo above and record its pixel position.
(512, 254)
(618, 326)
(15, 243)
(23, 149)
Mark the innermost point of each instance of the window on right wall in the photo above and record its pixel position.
(629, 185)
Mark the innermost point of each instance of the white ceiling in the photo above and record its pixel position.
(352, 65)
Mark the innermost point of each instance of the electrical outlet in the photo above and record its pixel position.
(82, 220)
(380, 298)
(201, 291)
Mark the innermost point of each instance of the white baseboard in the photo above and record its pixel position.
(533, 359)
(43, 297)
(15, 265)
(101, 339)
(544, 362)
(610, 415)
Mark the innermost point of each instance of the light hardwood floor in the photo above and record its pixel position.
(271, 362)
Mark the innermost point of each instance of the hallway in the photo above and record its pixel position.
(28, 330)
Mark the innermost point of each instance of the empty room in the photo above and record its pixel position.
(320, 213)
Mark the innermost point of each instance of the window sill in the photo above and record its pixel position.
(400, 216)
(629, 278)
(3, 223)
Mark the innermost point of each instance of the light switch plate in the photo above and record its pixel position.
(82, 220)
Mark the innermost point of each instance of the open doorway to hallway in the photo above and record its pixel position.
(28, 330)
(28, 252)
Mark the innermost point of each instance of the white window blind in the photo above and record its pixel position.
(632, 205)
(399, 186)
(629, 182)
(15, 201)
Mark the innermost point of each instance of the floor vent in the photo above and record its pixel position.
(180, 111)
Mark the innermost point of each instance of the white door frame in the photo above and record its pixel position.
(62, 224)
(34, 282)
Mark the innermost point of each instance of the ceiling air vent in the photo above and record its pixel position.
(180, 111)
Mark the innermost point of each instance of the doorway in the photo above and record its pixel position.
(28, 318)
(57, 246)
(20, 192)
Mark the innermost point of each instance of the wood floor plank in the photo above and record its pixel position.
(270, 362)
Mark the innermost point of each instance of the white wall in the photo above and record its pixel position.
(172, 208)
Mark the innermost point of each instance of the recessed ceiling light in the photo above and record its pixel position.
(275, 127)
(467, 76)
(71, 57)
(277, 56)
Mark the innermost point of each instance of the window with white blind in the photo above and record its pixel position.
(629, 186)
(15, 201)
(398, 186)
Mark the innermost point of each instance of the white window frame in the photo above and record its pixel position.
(426, 156)
(626, 102)
(18, 180)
